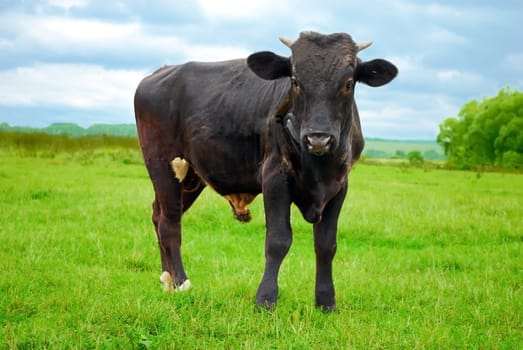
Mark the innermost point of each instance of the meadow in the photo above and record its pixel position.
(427, 259)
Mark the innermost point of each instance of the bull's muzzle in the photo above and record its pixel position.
(318, 143)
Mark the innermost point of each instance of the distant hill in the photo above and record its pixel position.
(71, 129)
(374, 148)
(383, 148)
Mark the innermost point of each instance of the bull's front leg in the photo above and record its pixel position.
(278, 238)
(325, 248)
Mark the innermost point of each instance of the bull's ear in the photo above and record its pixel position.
(376, 72)
(268, 65)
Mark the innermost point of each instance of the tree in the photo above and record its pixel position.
(509, 145)
(415, 158)
(486, 133)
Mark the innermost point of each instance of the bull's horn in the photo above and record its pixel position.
(363, 45)
(286, 42)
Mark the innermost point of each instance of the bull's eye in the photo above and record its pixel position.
(349, 84)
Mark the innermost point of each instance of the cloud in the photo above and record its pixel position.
(384, 111)
(408, 64)
(438, 10)
(438, 35)
(59, 33)
(92, 39)
(442, 11)
(416, 74)
(214, 53)
(77, 86)
(239, 9)
(67, 4)
(453, 75)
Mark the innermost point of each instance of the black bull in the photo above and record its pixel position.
(285, 127)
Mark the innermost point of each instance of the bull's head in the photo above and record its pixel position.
(323, 70)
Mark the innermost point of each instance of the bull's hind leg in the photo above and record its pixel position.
(166, 277)
(167, 214)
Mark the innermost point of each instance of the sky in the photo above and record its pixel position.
(80, 61)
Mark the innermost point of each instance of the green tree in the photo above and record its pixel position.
(485, 133)
(70, 129)
(415, 158)
(509, 144)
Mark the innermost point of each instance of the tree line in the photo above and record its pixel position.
(72, 129)
(486, 133)
(40, 142)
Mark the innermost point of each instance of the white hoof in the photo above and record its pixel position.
(167, 281)
(185, 286)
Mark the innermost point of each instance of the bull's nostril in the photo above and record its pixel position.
(319, 140)
(318, 143)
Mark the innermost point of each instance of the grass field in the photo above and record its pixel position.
(426, 260)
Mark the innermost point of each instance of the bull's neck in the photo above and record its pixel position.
(329, 167)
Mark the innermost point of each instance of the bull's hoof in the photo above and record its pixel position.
(327, 308)
(243, 217)
(266, 304)
(184, 286)
(266, 298)
(169, 285)
(325, 300)
(167, 281)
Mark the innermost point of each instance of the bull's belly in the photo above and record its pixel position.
(224, 180)
(224, 186)
(238, 186)
(227, 164)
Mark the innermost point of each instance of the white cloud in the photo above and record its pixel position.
(76, 86)
(404, 113)
(67, 4)
(449, 74)
(239, 9)
(6, 44)
(438, 35)
(461, 79)
(89, 86)
(439, 10)
(213, 53)
(408, 64)
(436, 10)
(415, 73)
(67, 33)
(79, 37)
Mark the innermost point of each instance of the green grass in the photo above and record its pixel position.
(426, 259)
